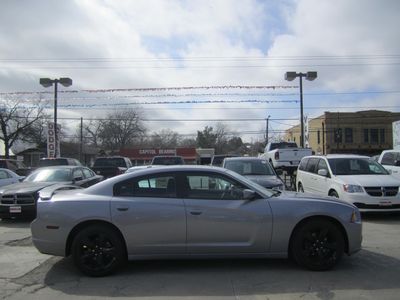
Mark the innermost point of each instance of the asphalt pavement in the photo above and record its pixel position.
(373, 273)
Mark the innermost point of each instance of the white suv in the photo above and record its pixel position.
(353, 178)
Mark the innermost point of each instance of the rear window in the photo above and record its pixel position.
(53, 162)
(282, 145)
(110, 162)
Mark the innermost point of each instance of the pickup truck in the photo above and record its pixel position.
(111, 165)
(285, 155)
(390, 160)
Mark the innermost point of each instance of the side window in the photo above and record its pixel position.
(213, 187)
(322, 165)
(388, 159)
(153, 186)
(312, 165)
(88, 173)
(4, 175)
(303, 164)
(78, 174)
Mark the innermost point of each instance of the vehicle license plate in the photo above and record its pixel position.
(15, 209)
(385, 203)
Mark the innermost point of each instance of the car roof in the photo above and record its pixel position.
(240, 158)
(60, 167)
(337, 156)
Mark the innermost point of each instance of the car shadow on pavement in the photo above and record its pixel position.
(381, 218)
(366, 270)
(16, 223)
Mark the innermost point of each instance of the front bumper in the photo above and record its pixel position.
(367, 203)
(17, 211)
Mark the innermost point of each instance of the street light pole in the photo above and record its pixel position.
(311, 75)
(266, 131)
(47, 82)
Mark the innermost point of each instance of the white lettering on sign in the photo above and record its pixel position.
(167, 151)
(147, 151)
(51, 140)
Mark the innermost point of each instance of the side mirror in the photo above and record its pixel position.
(248, 194)
(323, 172)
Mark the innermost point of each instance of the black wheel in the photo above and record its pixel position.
(97, 250)
(317, 245)
(300, 188)
(334, 194)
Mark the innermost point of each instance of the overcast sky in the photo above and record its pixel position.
(104, 45)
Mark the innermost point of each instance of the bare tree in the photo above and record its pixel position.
(165, 138)
(16, 116)
(118, 130)
(36, 133)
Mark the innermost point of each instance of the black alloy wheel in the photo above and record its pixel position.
(97, 250)
(300, 188)
(317, 245)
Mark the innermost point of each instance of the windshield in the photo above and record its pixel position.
(174, 160)
(356, 166)
(250, 167)
(110, 162)
(50, 175)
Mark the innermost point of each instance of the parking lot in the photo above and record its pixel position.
(370, 274)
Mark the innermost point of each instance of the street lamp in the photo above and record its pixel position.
(47, 82)
(266, 130)
(309, 76)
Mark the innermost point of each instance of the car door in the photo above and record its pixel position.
(389, 160)
(309, 176)
(322, 183)
(78, 177)
(219, 220)
(90, 177)
(149, 214)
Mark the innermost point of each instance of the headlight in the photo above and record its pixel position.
(355, 216)
(351, 188)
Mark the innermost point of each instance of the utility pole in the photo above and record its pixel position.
(81, 143)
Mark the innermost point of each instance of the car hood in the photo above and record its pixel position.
(26, 187)
(265, 180)
(307, 196)
(369, 180)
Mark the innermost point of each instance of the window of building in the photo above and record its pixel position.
(337, 135)
(374, 136)
(382, 136)
(348, 135)
(366, 136)
(318, 137)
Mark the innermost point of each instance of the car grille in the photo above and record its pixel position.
(18, 199)
(382, 191)
(376, 206)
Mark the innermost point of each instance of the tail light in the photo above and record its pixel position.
(277, 155)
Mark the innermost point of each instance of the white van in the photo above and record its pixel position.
(356, 179)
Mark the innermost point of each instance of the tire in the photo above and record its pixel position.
(300, 188)
(97, 250)
(334, 194)
(317, 245)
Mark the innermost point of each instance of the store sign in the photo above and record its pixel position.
(51, 140)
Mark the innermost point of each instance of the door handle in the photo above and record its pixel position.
(196, 213)
(122, 208)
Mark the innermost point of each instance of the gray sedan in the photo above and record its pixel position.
(191, 212)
